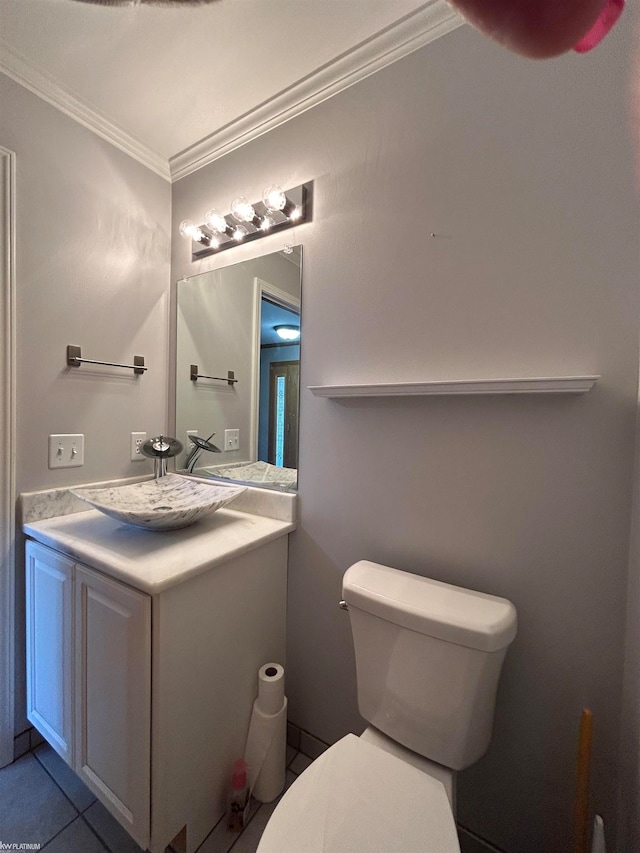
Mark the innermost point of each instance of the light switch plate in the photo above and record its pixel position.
(66, 451)
(232, 439)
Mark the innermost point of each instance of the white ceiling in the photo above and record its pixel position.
(178, 87)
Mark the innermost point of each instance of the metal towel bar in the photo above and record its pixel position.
(230, 378)
(74, 359)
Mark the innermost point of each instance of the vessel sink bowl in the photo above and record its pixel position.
(167, 503)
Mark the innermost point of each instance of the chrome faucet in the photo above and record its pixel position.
(199, 444)
(160, 449)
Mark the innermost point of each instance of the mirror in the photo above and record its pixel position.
(237, 378)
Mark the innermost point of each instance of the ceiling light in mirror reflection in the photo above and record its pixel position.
(288, 333)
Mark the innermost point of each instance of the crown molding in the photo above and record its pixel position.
(417, 29)
(15, 66)
(429, 22)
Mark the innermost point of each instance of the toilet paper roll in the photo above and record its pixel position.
(265, 752)
(270, 688)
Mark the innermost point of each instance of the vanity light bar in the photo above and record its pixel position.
(278, 210)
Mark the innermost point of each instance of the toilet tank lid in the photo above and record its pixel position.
(473, 619)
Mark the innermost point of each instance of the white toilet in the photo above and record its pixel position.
(428, 659)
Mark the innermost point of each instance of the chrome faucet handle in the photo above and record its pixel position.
(161, 445)
(160, 448)
(198, 445)
(204, 443)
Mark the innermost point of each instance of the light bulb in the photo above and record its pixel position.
(267, 223)
(274, 198)
(296, 213)
(215, 221)
(241, 210)
(288, 333)
(240, 233)
(188, 229)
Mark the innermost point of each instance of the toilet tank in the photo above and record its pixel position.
(428, 660)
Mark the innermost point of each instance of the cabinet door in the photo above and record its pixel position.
(113, 697)
(50, 672)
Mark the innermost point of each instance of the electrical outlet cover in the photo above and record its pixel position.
(135, 449)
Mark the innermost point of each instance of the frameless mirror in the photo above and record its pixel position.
(237, 371)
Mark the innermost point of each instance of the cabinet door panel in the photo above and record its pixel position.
(49, 611)
(113, 704)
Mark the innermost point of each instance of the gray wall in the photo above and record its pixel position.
(524, 171)
(629, 800)
(92, 267)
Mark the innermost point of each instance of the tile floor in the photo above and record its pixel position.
(42, 802)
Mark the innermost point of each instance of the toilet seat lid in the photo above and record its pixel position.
(356, 798)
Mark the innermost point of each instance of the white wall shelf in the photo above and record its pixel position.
(525, 385)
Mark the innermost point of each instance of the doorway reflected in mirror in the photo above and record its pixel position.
(279, 384)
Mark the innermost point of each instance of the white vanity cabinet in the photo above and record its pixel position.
(112, 745)
(142, 658)
(89, 679)
(50, 676)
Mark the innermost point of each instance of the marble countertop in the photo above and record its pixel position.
(153, 561)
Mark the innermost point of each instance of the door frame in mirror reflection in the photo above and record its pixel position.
(284, 405)
(218, 327)
(265, 290)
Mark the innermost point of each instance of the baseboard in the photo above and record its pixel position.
(26, 741)
(305, 742)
